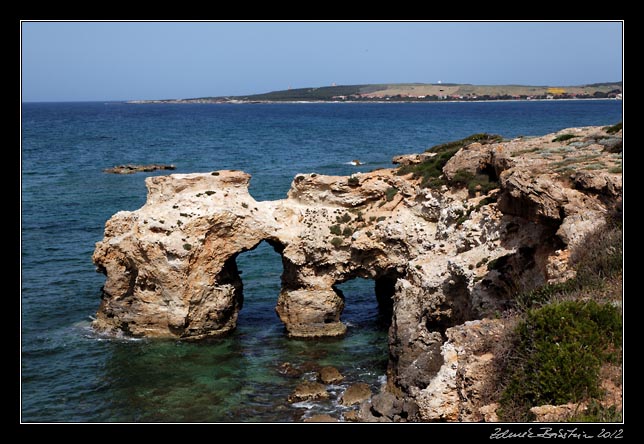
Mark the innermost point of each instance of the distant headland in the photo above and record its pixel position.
(416, 92)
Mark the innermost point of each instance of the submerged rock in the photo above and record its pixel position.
(130, 168)
(329, 375)
(308, 391)
(287, 369)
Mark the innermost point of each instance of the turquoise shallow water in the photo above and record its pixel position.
(70, 374)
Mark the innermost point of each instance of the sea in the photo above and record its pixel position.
(71, 374)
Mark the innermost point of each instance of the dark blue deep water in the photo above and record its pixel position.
(70, 374)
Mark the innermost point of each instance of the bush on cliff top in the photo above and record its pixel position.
(559, 352)
(431, 169)
(562, 339)
(613, 128)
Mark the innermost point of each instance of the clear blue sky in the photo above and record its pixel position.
(75, 61)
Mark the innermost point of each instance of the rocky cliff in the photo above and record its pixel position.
(444, 258)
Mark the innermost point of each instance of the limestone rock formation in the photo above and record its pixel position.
(443, 259)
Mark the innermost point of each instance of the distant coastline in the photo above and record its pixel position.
(413, 93)
(304, 102)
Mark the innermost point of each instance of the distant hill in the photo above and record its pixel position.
(418, 92)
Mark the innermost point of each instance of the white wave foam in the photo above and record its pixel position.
(304, 405)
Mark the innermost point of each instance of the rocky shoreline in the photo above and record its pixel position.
(447, 254)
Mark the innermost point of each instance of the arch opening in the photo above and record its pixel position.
(259, 273)
(365, 295)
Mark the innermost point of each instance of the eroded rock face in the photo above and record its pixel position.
(439, 258)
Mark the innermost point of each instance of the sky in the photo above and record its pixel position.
(105, 61)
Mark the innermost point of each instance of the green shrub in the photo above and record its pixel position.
(564, 137)
(187, 247)
(596, 412)
(598, 259)
(215, 173)
(486, 201)
(390, 193)
(613, 128)
(210, 192)
(482, 262)
(336, 242)
(353, 181)
(473, 182)
(335, 229)
(380, 218)
(244, 205)
(347, 231)
(559, 352)
(346, 217)
(431, 169)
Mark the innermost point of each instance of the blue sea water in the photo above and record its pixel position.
(69, 374)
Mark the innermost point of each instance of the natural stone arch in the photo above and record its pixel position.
(315, 310)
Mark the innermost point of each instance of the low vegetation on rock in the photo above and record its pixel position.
(431, 170)
(566, 334)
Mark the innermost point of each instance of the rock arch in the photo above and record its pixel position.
(441, 256)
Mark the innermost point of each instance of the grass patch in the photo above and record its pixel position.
(390, 193)
(616, 170)
(595, 412)
(613, 128)
(337, 241)
(335, 229)
(431, 169)
(564, 137)
(347, 231)
(346, 217)
(474, 182)
(595, 166)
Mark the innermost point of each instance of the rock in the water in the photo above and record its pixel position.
(356, 393)
(309, 366)
(321, 418)
(386, 404)
(365, 413)
(330, 375)
(287, 369)
(308, 391)
(351, 416)
(130, 168)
